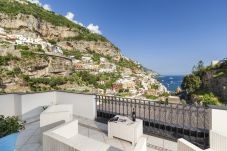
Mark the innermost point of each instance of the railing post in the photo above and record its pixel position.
(112, 105)
(123, 102)
(127, 106)
(190, 122)
(204, 127)
(119, 101)
(149, 107)
(154, 115)
(177, 125)
(183, 119)
(197, 122)
(144, 110)
(171, 117)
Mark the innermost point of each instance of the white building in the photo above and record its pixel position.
(108, 68)
(86, 59)
(103, 60)
(2, 31)
(214, 62)
(57, 49)
(75, 61)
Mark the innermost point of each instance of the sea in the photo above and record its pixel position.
(171, 82)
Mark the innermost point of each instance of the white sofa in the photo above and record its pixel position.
(66, 138)
(141, 144)
(184, 145)
(218, 142)
(56, 113)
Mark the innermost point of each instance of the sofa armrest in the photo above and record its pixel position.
(141, 144)
(68, 130)
(183, 144)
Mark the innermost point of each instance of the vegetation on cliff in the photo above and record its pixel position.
(13, 8)
(204, 84)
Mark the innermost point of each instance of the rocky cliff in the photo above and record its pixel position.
(215, 80)
(41, 50)
(31, 26)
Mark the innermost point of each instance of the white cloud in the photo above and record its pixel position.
(47, 7)
(71, 16)
(35, 2)
(94, 29)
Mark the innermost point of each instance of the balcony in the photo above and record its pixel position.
(163, 124)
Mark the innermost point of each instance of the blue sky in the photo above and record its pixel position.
(168, 36)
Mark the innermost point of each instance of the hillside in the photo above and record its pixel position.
(207, 85)
(41, 50)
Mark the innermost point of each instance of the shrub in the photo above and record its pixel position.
(219, 74)
(191, 83)
(15, 72)
(4, 60)
(22, 47)
(76, 53)
(88, 78)
(26, 54)
(123, 91)
(151, 97)
(53, 82)
(165, 94)
(9, 125)
(208, 99)
(87, 36)
(154, 86)
(96, 58)
(53, 42)
(127, 63)
(199, 69)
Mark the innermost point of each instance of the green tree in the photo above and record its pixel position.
(53, 42)
(199, 68)
(96, 58)
(1, 82)
(191, 83)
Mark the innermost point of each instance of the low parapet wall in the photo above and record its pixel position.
(30, 105)
(9, 105)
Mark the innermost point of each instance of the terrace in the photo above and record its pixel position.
(163, 124)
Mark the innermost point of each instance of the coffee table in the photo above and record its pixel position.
(126, 129)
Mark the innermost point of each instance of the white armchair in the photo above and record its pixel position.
(66, 138)
(56, 113)
(184, 145)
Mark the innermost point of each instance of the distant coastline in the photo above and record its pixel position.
(171, 82)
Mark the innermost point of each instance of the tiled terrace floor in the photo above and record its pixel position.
(30, 138)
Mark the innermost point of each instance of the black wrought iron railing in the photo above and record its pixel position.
(170, 121)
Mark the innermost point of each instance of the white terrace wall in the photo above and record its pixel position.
(218, 132)
(219, 123)
(83, 105)
(8, 107)
(31, 104)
